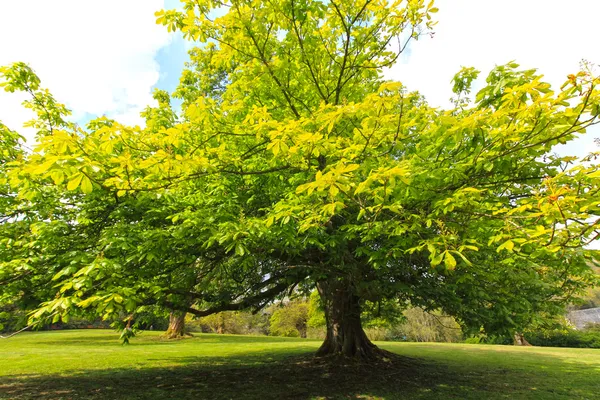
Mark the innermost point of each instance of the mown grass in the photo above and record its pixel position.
(91, 364)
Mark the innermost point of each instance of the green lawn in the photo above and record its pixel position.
(91, 364)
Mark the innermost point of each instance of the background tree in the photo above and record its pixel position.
(290, 319)
(234, 322)
(420, 326)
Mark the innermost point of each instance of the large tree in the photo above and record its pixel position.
(294, 162)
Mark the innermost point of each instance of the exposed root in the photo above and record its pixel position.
(176, 335)
(373, 356)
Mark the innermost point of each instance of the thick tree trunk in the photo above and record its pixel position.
(345, 335)
(176, 325)
(519, 340)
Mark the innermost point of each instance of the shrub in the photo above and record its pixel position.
(422, 326)
(290, 319)
(235, 322)
(586, 338)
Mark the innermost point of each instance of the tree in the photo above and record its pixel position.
(293, 163)
(36, 238)
(290, 319)
(420, 326)
(234, 322)
(9, 152)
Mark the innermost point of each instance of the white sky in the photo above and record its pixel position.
(550, 35)
(98, 57)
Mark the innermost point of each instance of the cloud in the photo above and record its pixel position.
(551, 35)
(96, 57)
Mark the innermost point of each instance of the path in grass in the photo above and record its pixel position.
(91, 364)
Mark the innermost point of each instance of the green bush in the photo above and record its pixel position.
(377, 333)
(587, 338)
(422, 326)
(290, 319)
(231, 322)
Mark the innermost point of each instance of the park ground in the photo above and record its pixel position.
(92, 364)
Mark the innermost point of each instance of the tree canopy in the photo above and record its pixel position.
(294, 164)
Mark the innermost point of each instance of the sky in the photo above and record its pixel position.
(106, 57)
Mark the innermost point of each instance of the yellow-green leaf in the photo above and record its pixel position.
(57, 177)
(86, 185)
(450, 261)
(75, 181)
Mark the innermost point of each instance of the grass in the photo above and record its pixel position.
(91, 364)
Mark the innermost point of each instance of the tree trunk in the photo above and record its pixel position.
(221, 324)
(345, 335)
(176, 325)
(302, 328)
(519, 340)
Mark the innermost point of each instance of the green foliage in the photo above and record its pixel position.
(293, 164)
(586, 338)
(316, 316)
(240, 322)
(126, 334)
(590, 300)
(421, 326)
(290, 319)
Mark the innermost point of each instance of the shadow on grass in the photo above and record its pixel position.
(275, 376)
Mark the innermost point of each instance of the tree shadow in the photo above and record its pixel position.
(274, 376)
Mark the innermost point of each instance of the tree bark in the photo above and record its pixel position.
(221, 324)
(302, 328)
(345, 335)
(176, 325)
(519, 340)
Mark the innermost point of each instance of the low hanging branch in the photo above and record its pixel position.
(244, 304)
(16, 333)
(24, 329)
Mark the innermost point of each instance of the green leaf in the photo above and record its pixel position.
(40, 169)
(86, 185)
(449, 261)
(57, 177)
(239, 249)
(75, 181)
(508, 245)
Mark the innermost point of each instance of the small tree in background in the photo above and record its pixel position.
(421, 326)
(290, 319)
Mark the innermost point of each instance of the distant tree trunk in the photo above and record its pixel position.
(519, 340)
(176, 325)
(221, 324)
(345, 335)
(302, 328)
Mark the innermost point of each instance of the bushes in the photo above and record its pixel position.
(12, 319)
(421, 326)
(557, 337)
(234, 322)
(586, 338)
(290, 319)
